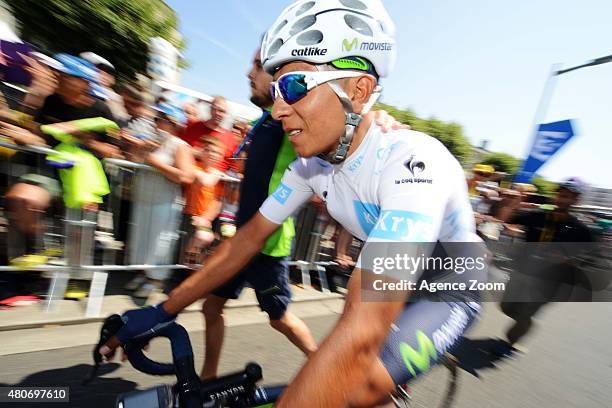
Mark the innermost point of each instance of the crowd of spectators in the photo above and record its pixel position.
(170, 210)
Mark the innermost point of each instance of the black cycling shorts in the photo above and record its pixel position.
(269, 277)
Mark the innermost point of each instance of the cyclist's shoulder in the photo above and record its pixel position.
(402, 140)
(403, 144)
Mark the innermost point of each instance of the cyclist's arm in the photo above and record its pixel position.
(227, 260)
(233, 254)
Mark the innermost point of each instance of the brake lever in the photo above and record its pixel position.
(111, 326)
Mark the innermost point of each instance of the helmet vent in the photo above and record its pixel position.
(279, 26)
(275, 47)
(311, 37)
(358, 25)
(304, 8)
(354, 4)
(302, 24)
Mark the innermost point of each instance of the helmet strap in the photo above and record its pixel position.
(351, 122)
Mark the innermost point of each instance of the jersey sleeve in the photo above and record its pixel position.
(293, 191)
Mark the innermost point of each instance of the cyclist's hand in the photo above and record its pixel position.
(137, 322)
(388, 122)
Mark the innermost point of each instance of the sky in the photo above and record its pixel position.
(482, 64)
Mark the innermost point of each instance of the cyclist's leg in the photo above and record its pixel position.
(269, 276)
(420, 337)
(215, 324)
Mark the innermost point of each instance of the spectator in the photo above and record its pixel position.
(140, 125)
(30, 198)
(199, 129)
(137, 132)
(192, 113)
(45, 72)
(480, 174)
(71, 101)
(107, 81)
(157, 201)
(203, 199)
(556, 225)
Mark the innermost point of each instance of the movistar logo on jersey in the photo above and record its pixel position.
(348, 45)
(282, 193)
(309, 51)
(367, 214)
(447, 334)
(420, 359)
(405, 226)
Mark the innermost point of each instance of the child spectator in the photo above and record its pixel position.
(204, 199)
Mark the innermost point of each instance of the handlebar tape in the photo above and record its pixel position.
(181, 349)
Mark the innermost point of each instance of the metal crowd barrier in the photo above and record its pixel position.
(80, 258)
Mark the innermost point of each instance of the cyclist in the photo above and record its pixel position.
(404, 186)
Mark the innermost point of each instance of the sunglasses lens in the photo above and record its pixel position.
(293, 87)
(273, 91)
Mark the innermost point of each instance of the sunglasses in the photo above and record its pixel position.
(293, 86)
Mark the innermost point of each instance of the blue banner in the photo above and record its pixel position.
(549, 139)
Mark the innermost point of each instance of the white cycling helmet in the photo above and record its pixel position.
(321, 31)
(338, 32)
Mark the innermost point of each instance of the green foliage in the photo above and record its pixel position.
(118, 30)
(544, 186)
(502, 162)
(449, 134)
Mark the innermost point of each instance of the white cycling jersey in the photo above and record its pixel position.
(400, 186)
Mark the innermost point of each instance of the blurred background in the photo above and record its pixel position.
(125, 127)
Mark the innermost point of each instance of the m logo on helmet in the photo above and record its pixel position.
(348, 46)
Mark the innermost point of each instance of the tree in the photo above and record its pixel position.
(118, 30)
(503, 162)
(449, 134)
(544, 186)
